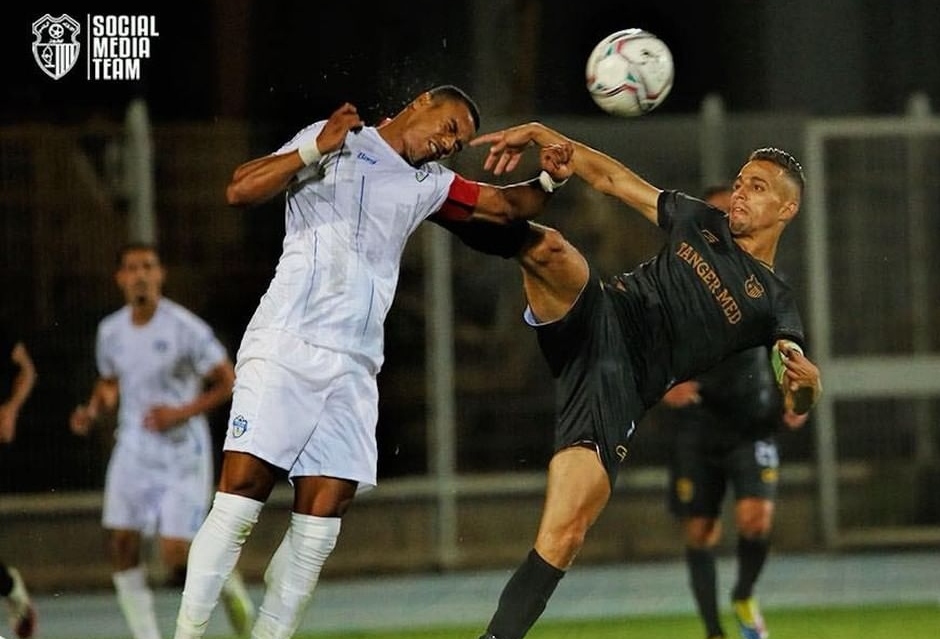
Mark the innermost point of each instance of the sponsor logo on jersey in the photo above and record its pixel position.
(239, 426)
(621, 451)
(712, 282)
(710, 237)
(753, 287)
(366, 158)
(421, 176)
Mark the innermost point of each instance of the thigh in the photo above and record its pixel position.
(754, 469)
(697, 480)
(276, 409)
(187, 487)
(597, 399)
(342, 443)
(554, 273)
(131, 493)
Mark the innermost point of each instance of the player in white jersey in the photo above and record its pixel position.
(162, 368)
(305, 402)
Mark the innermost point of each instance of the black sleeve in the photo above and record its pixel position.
(788, 323)
(673, 206)
(504, 240)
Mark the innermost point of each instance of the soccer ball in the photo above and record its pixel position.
(629, 72)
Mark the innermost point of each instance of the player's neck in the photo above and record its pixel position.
(142, 311)
(763, 252)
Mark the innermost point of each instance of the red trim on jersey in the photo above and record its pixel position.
(461, 199)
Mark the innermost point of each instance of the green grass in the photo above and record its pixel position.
(871, 622)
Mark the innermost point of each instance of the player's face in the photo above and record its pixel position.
(140, 277)
(762, 198)
(438, 130)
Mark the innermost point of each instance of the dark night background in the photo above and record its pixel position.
(286, 63)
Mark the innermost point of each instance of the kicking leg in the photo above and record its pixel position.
(554, 273)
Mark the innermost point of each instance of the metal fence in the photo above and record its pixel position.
(464, 392)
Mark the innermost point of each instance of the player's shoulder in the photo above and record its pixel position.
(179, 314)
(115, 320)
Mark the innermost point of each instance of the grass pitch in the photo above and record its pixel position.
(869, 622)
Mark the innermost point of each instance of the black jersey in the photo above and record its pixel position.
(740, 399)
(7, 367)
(703, 298)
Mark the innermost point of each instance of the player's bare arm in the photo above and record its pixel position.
(104, 399)
(525, 200)
(259, 180)
(598, 169)
(218, 389)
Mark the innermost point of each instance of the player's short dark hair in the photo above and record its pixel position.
(451, 92)
(784, 160)
(133, 247)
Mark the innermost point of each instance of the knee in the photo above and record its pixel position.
(755, 525)
(701, 533)
(560, 547)
(549, 246)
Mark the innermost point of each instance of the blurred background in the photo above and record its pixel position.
(848, 86)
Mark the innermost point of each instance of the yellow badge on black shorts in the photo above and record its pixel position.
(685, 489)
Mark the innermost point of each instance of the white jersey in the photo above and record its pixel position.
(347, 221)
(162, 362)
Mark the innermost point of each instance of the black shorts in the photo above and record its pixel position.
(703, 465)
(597, 401)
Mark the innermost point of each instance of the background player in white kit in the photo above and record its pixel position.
(306, 401)
(162, 368)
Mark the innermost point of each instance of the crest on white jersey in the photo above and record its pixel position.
(56, 45)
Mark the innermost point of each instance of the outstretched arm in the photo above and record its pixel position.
(525, 200)
(261, 179)
(598, 169)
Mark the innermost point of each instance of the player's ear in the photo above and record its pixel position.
(788, 210)
(423, 100)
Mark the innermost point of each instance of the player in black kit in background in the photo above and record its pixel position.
(614, 346)
(724, 421)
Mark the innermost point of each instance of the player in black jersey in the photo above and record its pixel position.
(724, 421)
(614, 346)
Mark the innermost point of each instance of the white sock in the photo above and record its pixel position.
(293, 573)
(136, 601)
(212, 558)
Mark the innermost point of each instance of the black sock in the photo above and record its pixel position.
(524, 597)
(752, 553)
(505, 240)
(703, 578)
(6, 581)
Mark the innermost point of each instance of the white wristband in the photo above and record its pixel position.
(309, 152)
(548, 183)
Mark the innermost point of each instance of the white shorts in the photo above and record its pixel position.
(162, 490)
(315, 418)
